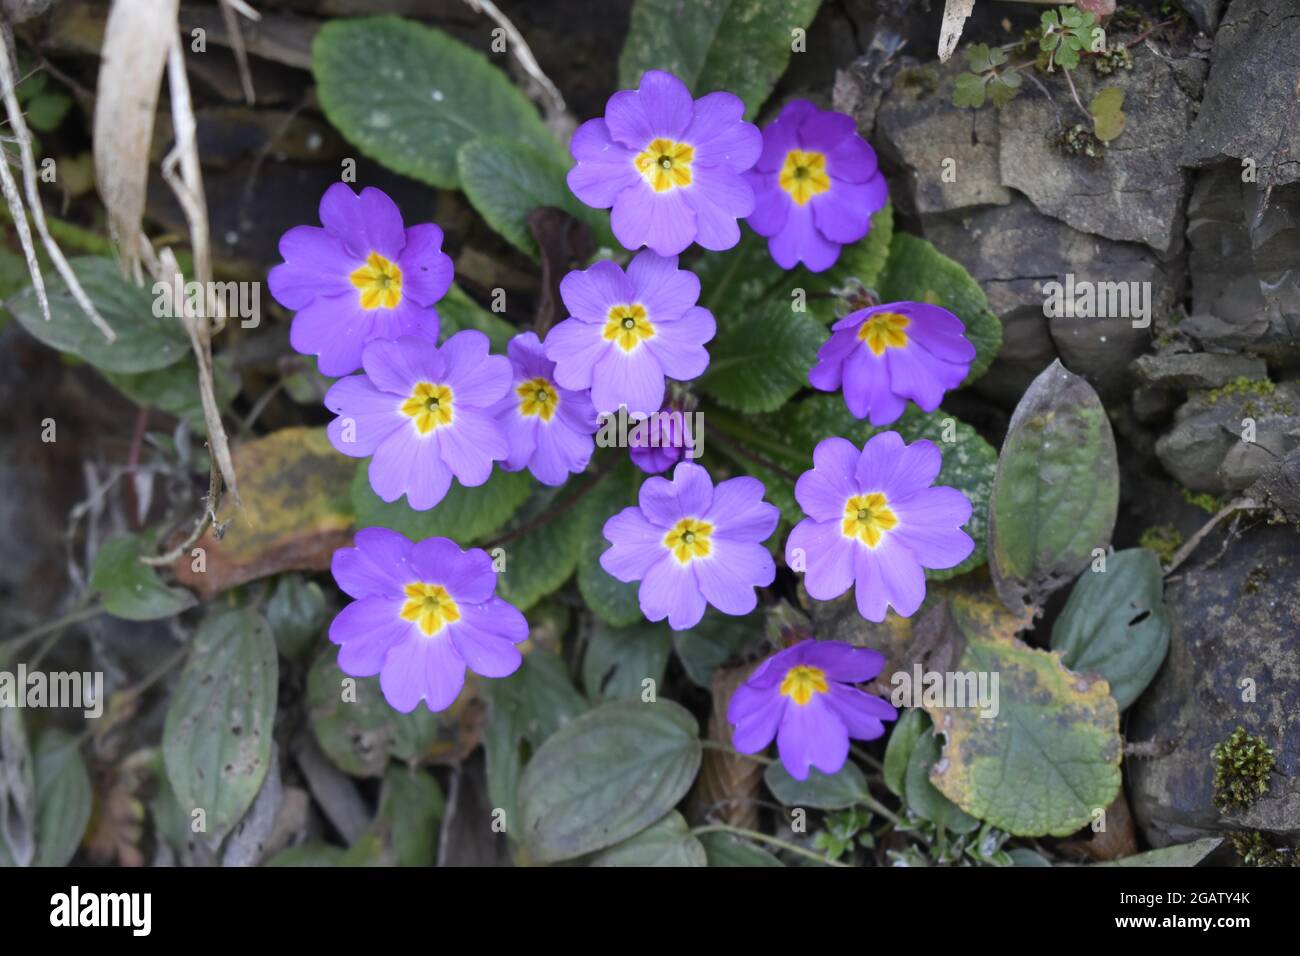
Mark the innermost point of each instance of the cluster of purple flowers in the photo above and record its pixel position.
(674, 171)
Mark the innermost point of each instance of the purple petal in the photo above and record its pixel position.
(727, 577)
(367, 416)
(476, 378)
(800, 241)
(812, 736)
(720, 135)
(782, 135)
(334, 329)
(719, 197)
(589, 294)
(664, 290)
(842, 662)
(470, 444)
(678, 344)
(395, 366)
(406, 465)
(828, 557)
(423, 667)
(637, 545)
(756, 715)
(861, 712)
(738, 512)
(426, 270)
(888, 574)
(929, 525)
(375, 566)
(368, 629)
(660, 106)
(669, 590)
(634, 379)
(575, 347)
(663, 221)
(367, 223)
(315, 264)
(771, 204)
(888, 464)
(604, 168)
(843, 213)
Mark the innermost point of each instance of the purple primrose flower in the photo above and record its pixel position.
(803, 696)
(362, 277)
(875, 521)
(884, 355)
(689, 544)
(627, 331)
(424, 413)
(816, 186)
(423, 613)
(669, 166)
(549, 428)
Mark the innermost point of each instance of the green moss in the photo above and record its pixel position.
(1242, 765)
(1078, 140)
(1255, 850)
(1112, 61)
(1256, 579)
(1242, 386)
(1163, 539)
(917, 81)
(1203, 500)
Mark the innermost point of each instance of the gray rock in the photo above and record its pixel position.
(1250, 107)
(1187, 370)
(1136, 194)
(1204, 450)
(919, 130)
(1245, 266)
(1204, 13)
(1012, 251)
(1233, 620)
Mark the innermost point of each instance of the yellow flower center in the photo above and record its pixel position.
(429, 606)
(803, 175)
(430, 406)
(538, 397)
(802, 682)
(380, 282)
(884, 330)
(688, 539)
(665, 164)
(628, 326)
(868, 517)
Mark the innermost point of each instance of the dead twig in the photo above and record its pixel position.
(1183, 553)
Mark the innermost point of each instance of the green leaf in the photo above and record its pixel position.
(968, 90)
(539, 561)
(465, 515)
(132, 590)
(919, 272)
(742, 46)
(1107, 109)
(144, 342)
(217, 735)
(296, 614)
(175, 389)
(922, 797)
(505, 180)
(1115, 624)
(527, 707)
(410, 96)
(459, 312)
(718, 637)
(1183, 854)
(761, 357)
(820, 791)
(1056, 491)
(1049, 759)
(666, 843)
(411, 806)
(613, 601)
(723, 849)
(606, 776)
(982, 58)
(1067, 54)
(63, 798)
(902, 741)
(357, 729)
(618, 659)
(47, 110)
(1005, 88)
(788, 438)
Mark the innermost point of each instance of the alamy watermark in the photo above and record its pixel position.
(64, 689)
(954, 689)
(667, 428)
(214, 300)
(1081, 298)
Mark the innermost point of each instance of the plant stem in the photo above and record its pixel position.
(733, 752)
(80, 612)
(764, 838)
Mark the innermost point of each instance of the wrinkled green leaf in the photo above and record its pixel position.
(1115, 623)
(411, 805)
(217, 735)
(459, 312)
(409, 96)
(296, 613)
(360, 736)
(723, 849)
(761, 357)
(132, 590)
(705, 647)
(606, 776)
(144, 342)
(742, 46)
(922, 797)
(613, 601)
(1183, 854)
(1107, 109)
(465, 515)
(1056, 491)
(618, 659)
(666, 843)
(969, 90)
(540, 560)
(820, 791)
(912, 723)
(63, 798)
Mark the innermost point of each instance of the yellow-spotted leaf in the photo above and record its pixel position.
(1048, 760)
